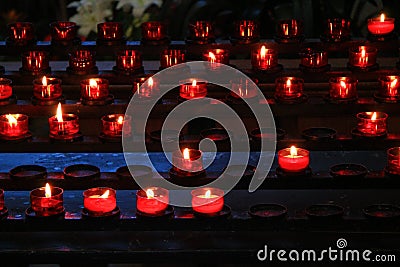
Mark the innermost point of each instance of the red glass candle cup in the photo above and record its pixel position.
(193, 89)
(381, 25)
(35, 61)
(146, 87)
(188, 160)
(21, 32)
(129, 60)
(337, 29)
(216, 57)
(362, 56)
(291, 28)
(264, 58)
(313, 58)
(43, 205)
(243, 88)
(293, 159)
(341, 88)
(99, 201)
(5, 88)
(201, 30)
(246, 30)
(63, 125)
(63, 30)
(116, 125)
(154, 30)
(13, 125)
(393, 160)
(287, 88)
(371, 123)
(152, 200)
(82, 60)
(171, 57)
(110, 31)
(47, 88)
(207, 200)
(389, 86)
(94, 89)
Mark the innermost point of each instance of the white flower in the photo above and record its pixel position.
(139, 6)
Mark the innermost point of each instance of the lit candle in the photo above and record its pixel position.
(94, 89)
(246, 30)
(129, 60)
(13, 125)
(217, 57)
(99, 200)
(289, 87)
(152, 200)
(171, 57)
(313, 58)
(381, 25)
(146, 87)
(47, 201)
(342, 88)
(371, 123)
(293, 159)
(35, 61)
(116, 124)
(243, 88)
(5, 88)
(189, 160)
(389, 86)
(193, 90)
(207, 200)
(393, 160)
(63, 124)
(47, 88)
(362, 56)
(264, 59)
(288, 29)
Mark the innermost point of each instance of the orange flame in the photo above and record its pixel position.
(288, 83)
(92, 83)
(150, 193)
(120, 120)
(12, 119)
(186, 154)
(212, 57)
(59, 115)
(393, 83)
(150, 82)
(106, 194)
(44, 81)
(47, 190)
(342, 84)
(207, 194)
(373, 117)
(382, 18)
(363, 51)
(263, 51)
(293, 151)
(194, 83)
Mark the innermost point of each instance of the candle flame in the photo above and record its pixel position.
(12, 119)
(47, 190)
(288, 82)
(120, 120)
(150, 82)
(382, 17)
(59, 113)
(373, 117)
(393, 83)
(44, 81)
(106, 194)
(92, 83)
(342, 84)
(186, 154)
(212, 57)
(150, 193)
(362, 51)
(263, 51)
(207, 194)
(194, 83)
(293, 151)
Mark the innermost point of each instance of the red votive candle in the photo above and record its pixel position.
(94, 89)
(35, 61)
(63, 30)
(109, 31)
(189, 160)
(152, 200)
(337, 29)
(246, 29)
(381, 25)
(146, 86)
(362, 56)
(63, 124)
(13, 125)
(154, 30)
(393, 160)
(289, 87)
(313, 58)
(264, 59)
(342, 88)
(47, 88)
(291, 28)
(82, 60)
(216, 57)
(389, 86)
(207, 200)
(293, 159)
(21, 32)
(201, 30)
(129, 60)
(192, 90)
(171, 57)
(371, 123)
(243, 88)
(99, 201)
(47, 201)
(116, 125)
(5, 88)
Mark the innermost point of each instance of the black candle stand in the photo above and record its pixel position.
(215, 134)
(51, 102)
(35, 73)
(110, 138)
(108, 216)
(9, 101)
(382, 37)
(255, 134)
(165, 215)
(2, 69)
(348, 171)
(306, 173)
(269, 212)
(334, 40)
(319, 134)
(66, 138)
(28, 172)
(30, 215)
(298, 100)
(315, 69)
(225, 213)
(16, 139)
(382, 212)
(230, 99)
(355, 133)
(20, 43)
(244, 40)
(325, 211)
(98, 102)
(186, 178)
(372, 68)
(231, 172)
(94, 70)
(289, 40)
(385, 99)
(164, 41)
(66, 44)
(200, 41)
(171, 135)
(81, 171)
(128, 72)
(141, 172)
(351, 100)
(117, 42)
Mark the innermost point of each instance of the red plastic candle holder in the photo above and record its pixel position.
(115, 125)
(94, 89)
(293, 159)
(193, 89)
(5, 88)
(290, 29)
(389, 86)
(48, 203)
(246, 30)
(188, 160)
(341, 88)
(371, 123)
(363, 56)
(313, 58)
(35, 61)
(264, 58)
(287, 88)
(63, 125)
(13, 125)
(82, 61)
(21, 32)
(171, 57)
(393, 160)
(381, 25)
(99, 201)
(110, 31)
(243, 89)
(216, 57)
(207, 200)
(201, 31)
(337, 30)
(146, 87)
(152, 200)
(47, 88)
(63, 31)
(129, 60)
(154, 31)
